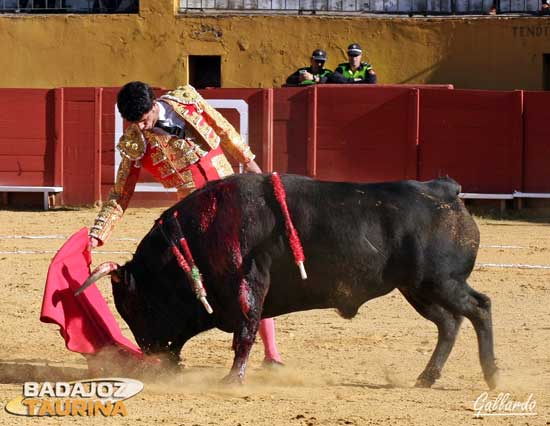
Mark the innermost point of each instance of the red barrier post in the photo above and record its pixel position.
(536, 119)
(96, 179)
(58, 142)
(267, 134)
(312, 132)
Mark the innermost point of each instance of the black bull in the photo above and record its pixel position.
(361, 241)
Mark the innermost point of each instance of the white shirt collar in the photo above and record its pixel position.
(162, 110)
(167, 113)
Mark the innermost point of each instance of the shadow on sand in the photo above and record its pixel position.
(37, 370)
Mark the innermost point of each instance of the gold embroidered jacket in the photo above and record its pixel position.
(171, 160)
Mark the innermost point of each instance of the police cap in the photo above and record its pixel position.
(354, 49)
(319, 55)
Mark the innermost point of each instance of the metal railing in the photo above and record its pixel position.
(69, 6)
(411, 7)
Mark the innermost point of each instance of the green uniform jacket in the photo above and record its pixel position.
(343, 74)
(294, 79)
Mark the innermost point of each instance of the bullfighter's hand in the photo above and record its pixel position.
(252, 167)
(93, 243)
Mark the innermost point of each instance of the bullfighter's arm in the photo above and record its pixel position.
(132, 147)
(230, 140)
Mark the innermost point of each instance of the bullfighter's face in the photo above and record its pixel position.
(149, 119)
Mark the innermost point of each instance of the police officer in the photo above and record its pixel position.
(315, 74)
(354, 71)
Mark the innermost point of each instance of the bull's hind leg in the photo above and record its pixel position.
(459, 298)
(447, 328)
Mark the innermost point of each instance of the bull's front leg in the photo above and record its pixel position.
(243, 339)
(252, 289)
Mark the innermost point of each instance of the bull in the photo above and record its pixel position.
(361, 241)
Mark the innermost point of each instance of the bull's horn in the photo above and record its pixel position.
(99, 272)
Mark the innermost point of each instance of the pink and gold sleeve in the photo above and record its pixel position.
(118, 201)
(230, 140)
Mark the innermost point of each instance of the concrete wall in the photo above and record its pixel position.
(260, 51)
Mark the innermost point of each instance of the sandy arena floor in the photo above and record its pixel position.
(338, 372)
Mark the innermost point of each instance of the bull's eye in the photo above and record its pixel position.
(115, 277)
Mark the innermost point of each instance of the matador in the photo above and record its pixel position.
(185, 161)
(181, 141)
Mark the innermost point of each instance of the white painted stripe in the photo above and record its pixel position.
(33, 237)
(53, 237)
(511, 265)
(55, 251)
(503, 246)
(27, 251)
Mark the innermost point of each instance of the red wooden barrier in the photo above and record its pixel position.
(292, 115)
(366, 135)
(27, 137)
(474, 137)
(536, 122)
(418, 86)
(81, 145)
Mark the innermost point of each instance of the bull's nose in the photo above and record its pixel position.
(152, 348)
(145, 347)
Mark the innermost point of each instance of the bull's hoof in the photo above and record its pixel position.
(233, 380)
(492, 380)
(424, 382)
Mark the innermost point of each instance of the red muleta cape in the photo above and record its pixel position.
(85, 321)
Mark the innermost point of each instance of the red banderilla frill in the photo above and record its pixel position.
(292, 234)
(186, 262)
